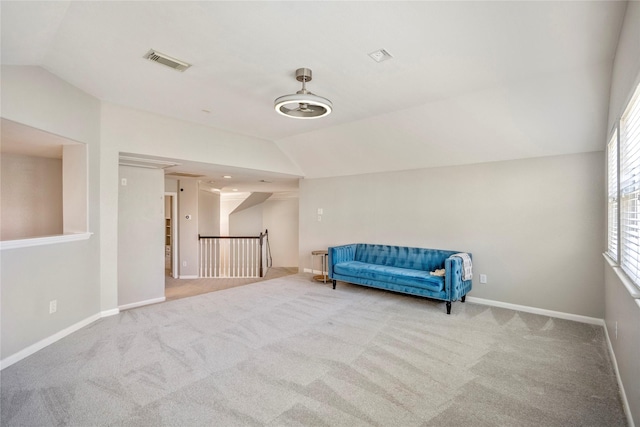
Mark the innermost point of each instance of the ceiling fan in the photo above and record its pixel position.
(303, 104)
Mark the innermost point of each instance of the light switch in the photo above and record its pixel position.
(320, 211)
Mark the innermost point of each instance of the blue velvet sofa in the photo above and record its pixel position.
(400, 269)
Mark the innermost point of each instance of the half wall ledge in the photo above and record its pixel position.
(47, 240)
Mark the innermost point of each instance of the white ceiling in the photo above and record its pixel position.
(469, 81)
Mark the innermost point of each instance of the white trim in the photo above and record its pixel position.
(623, 395)
(535, 310)
(111, 312)
(631, 287)
(309, 270)
(174, 232)
(48, 240)
(141, 303)
(191, 276)
(16, 357)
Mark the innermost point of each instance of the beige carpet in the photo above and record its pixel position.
(183, 288)
(294, 352)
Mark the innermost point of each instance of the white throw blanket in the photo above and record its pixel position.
(467, 267)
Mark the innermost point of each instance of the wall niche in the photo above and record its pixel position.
(43, 186)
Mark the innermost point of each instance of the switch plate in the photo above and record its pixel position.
(184, 263)
(319, 218)
(320, 211)
(123, 181)
(53, 306)
(483, 278)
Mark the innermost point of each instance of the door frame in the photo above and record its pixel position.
(174, 232)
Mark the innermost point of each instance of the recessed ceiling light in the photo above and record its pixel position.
(227, 176)
(380, 55)
(235, 189)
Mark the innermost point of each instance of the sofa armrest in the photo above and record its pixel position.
(455, 287)
(339, 254)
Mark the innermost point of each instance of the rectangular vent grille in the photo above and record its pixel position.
(163, 59)
(380, 55)
(184, 175)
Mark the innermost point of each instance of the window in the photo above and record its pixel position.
(612, 190)
(629, 190)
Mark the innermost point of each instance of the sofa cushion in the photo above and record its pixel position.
(401, 276)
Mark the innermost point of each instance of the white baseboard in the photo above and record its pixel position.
(141, 303)
(541, 311)
(189, 277)
(16, 357)
(308, 270)
(623, 395)
(111, 312)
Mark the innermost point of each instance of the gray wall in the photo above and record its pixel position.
(31, 196)
(170, 185)
(247, 222)
(68, 272)
(280, 217)
(140, 235)
(622, 311)
(534, 226)
(188, 228)
(208, 213)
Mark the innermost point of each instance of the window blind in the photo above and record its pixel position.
(630, 188)
(612, 190)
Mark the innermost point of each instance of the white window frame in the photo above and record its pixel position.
(627, 250)
(613, 193)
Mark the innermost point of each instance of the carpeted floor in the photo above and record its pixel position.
(291, 351)
(183, 288)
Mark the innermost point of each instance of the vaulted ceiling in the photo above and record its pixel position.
(468, 82)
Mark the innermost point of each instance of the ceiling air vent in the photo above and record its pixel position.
(380, 55)
(163, 59)
(184, 175)
(142, 162)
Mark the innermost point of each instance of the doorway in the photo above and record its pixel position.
(171, 234)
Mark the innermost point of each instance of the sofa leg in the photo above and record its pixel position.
(334, 284)
(448, 307)
(463, 298)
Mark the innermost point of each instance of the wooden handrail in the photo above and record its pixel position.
(256, 241)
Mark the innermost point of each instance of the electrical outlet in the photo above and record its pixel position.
(483, 278)
(123, 182)
(53, 306)
(319, 218)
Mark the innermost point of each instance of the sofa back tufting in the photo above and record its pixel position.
(402, 256)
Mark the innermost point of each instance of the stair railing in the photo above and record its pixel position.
(234, 256)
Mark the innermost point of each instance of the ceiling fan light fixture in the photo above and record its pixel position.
(303, 104)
